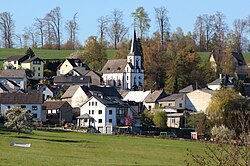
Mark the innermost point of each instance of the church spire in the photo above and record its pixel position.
(134, 45)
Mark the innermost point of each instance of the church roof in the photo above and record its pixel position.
(114, 66)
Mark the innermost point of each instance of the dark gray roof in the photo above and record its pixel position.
(172, 97)
(2, 86)
(106, 91)
(54, 104)
(240, 58)
(115, 66)
(188, 89)
(12, 73)
(20, 58)
(32, 59)
(76, 62)
(229, 81)
(155, 96)
(72, 79)
(21, 98)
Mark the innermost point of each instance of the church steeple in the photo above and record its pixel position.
(134, 45)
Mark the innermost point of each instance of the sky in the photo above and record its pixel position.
(182, 13)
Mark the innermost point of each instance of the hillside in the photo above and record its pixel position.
(62, 54)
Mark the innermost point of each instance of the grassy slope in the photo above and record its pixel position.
(66, 148)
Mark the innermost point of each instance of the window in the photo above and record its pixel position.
(38, 74)
(127, 77)
(169, 104)
(110, 120)
(14, 62)
(108, 68)
(99, 120)
(95, 103)
(23, 106)
(180, 104)
(8, 107)
(34, 107)
(85, 120)
(92, 103)
(89, 104)
(93, 112)
(100, 112)
(34, 68)
(110, 112)
(34, 115)
(149, 107)
(38, 68)
(89, 112)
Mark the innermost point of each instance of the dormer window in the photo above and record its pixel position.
(108, 68)
(118, 68)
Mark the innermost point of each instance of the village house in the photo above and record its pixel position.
(46, 90)
(57, 112)
(76, 95)
(106, 114)
(152, 99)
(69, 64)
(30, 101)
(223, 81)
(176, 100)
(126, 73)
(198, 100)
(13, 80)
(32, 63)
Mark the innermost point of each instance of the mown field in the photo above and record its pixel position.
(69, 148)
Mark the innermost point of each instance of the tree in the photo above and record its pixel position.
(141, 21)
(55, 19)
(93, 54)
(162, 21)
(72, 27)
(239, 26)
(224, 105)
(19, 118)
(40, 26)
(160, 120)
(103, 22)
(117, 30)
(7, 29)
(147, 118)
(30, 53)
(30, 33)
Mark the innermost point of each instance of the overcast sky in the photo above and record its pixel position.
(182, 13)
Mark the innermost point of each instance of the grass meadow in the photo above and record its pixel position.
(71, 148)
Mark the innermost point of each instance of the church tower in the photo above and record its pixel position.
(135, 60)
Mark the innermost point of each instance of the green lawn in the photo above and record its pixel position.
(68, 148)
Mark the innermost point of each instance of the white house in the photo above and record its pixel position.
(225, 80)
(151, 101)
(76, 95)
(198, 100)
(126, 73)
(69, 64)
(46, 91)
(105, 114)
(30, 101)
(10, 76)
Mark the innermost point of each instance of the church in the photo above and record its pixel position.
(127, 74)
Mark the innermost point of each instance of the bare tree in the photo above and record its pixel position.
(220, 26)
(141, 21)
(30, 33)
(55, 20)
(162, 21)
(19, 38)
(199, 31)
(48, 32)
(103, 27)
(239, 26)
(117, 29)
(72, 27)
(40, 26)
(7, 29)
